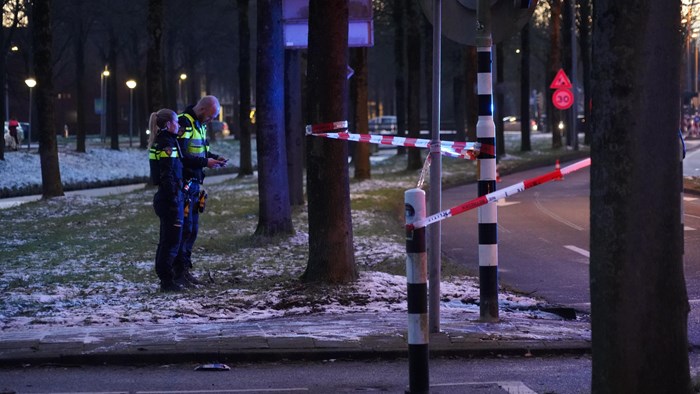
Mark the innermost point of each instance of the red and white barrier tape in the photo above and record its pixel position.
(468, 150)
(499, 194)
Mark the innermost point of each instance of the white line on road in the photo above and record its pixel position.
(578, 250)
(509, 387)
(284, 389)
(554, 215)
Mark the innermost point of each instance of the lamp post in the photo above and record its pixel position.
(103, 98)
(180, 81)
(31, 82)
(131, 84)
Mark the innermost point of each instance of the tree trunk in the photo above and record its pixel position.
(154, 57)
(413, 98)
(246, 156)
(79, 43)
(471, 99)
(275, 216)
(554, 115)
(112, 101)
(3, 83)
(585, 34)
(525, 145)
(48, 150)
(400, 82)
(638, 294)
(358, 91)
(331, 255)
(294, 126)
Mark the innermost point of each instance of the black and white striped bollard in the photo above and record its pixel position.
(416, 278)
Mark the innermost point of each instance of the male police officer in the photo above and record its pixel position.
(194, 143)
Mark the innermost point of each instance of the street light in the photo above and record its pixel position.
(131, 84)
(103, 98)
(31, 82)
(183, 76)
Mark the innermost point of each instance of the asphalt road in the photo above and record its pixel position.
(544, 240)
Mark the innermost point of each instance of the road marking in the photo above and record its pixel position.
(503, 203)
(554, 215)
(689, 198)
(578, 250)
(509, 387)
(686, 228)
(286, 390)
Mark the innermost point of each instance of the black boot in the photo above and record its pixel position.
(191, 278)
(169, 286)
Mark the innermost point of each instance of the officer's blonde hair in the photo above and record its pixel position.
(158, 121)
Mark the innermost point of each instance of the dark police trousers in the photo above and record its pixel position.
(190, 227)
(170, 235)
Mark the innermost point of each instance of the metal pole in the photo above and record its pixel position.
(486, 135)
(131, 114)
(29, 125)
(574, 70)
(435, 231)
(416, 277)
(104, 107)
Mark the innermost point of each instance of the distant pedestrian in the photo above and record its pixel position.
(12, 125)
(195, 144)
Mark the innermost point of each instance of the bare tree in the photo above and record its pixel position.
(275, 215)
(358, 93)
(246, 156)
(42, 39)
(400, 60)
(413, 97)
(331, 254)
(294, 123)
(154, 62)
(638, 294)
(525, 143)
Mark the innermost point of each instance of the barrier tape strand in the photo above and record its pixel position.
(467, 150)
(499, 194)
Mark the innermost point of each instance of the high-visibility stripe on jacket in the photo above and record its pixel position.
(196, 134)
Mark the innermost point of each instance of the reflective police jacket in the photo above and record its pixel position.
(166, 167)
(194, 143)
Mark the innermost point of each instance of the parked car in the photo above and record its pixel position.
(383, 125)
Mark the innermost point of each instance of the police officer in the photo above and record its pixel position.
(194, 143)
(166, 172)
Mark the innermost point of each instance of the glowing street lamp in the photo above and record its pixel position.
(131, 84)
(31, 82)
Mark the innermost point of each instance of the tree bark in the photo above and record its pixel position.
(48, 150)
(525, 143)
(275, 215)
(294, 126)
(244, 127)
(331, 255)
(358, 91)
(400, 59)
(638, 294)
(415, 161)
(154, 57)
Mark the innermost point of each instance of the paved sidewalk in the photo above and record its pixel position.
(358, 335)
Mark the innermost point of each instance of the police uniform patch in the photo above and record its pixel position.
(169, 151)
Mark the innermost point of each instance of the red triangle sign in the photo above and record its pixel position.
(561, 81)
